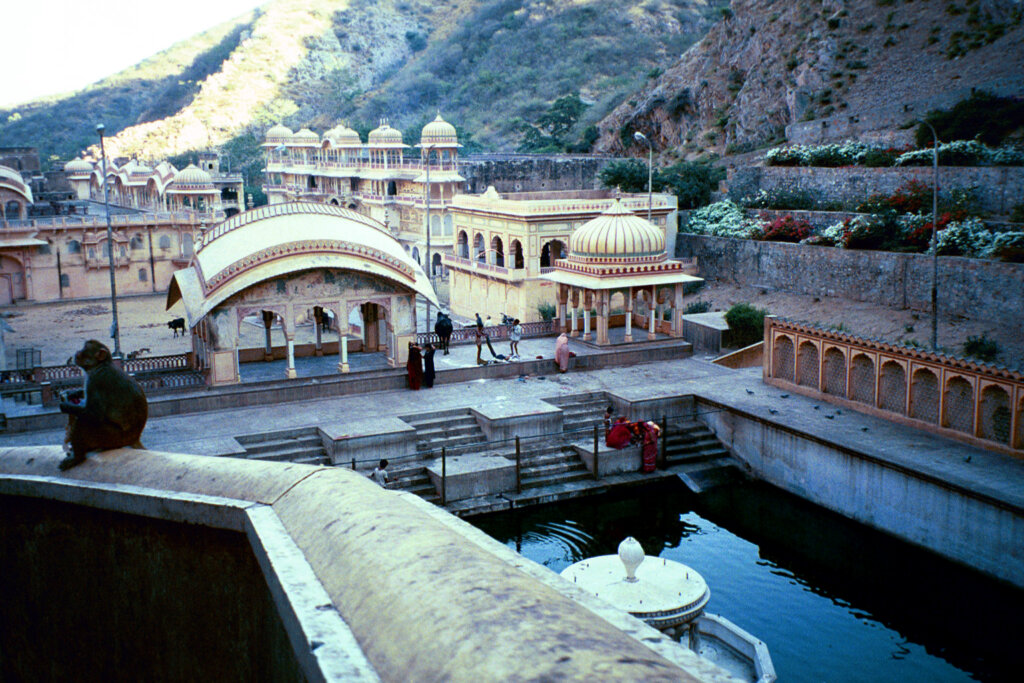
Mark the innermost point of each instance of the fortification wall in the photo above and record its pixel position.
(531, 172)
(973, 288)
(998, 188)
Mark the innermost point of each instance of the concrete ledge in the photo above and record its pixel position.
(610, 460)
(469, 476)
(385, 437)
(524, 417)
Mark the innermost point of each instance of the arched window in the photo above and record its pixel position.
(186, 245)
(65, 281)
(862, 379)
(807, 360)
(835, 372)
(165, 242)
(515, 251)
(137, 242)
(959, 405)
(74, 247)
(498, 251)
(437, 263)
(892, 388)
(479, 253)
(416, 254)
(924, 396)
(783, 354)
(435, 225)
(448, 225)
(463, 245)
(143, 275)
(551, 251)
(995, 414)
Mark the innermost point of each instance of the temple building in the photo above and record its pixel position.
(505, 244)
(616, 261)
(15, 195)
(379, 179)
(294, 264)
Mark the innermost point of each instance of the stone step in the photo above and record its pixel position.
(550, 458)
(548, 469)
(289, 455)
(557, 479)
(272, 445)
(696, 455)
(711, 474)
(689, 444)
(246, 439)
(438, 416)
(423, 434)
(449, 442)
(314, 460)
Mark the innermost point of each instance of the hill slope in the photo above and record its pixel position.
(483, 63)
(773, 63)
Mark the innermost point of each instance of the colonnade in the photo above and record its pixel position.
(574, 302)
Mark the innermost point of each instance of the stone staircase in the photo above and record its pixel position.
(701, 460)
(581, 412)
(456, 430)
(301, 445)
(413, 478)
(547, 465)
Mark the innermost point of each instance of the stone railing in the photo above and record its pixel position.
(956, 397)
(466, 335)
(122, 220)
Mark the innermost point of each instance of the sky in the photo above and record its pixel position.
(110, 35)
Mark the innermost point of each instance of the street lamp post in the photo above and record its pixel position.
(640, 137)
(935, 239)
(115, 330)
(430, 268)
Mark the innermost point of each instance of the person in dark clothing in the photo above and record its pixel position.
(428, 365)
(414, 366)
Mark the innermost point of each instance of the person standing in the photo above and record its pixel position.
(562, 352)
(480, 336)
(514, 336)
(428, 365)
(380, 473)
(414, 367)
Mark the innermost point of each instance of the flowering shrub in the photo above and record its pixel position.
(784, 229)
(911, 197)
(1008, 246)
(871, 232)
(721, 219)
(845, 154)
(777, 198)
(969, 237)
(964, 153)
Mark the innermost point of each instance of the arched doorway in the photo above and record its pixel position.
(552, 250)
(479, 252)
(463, 245)
(498, 250)
(436, 259)
(374, 318)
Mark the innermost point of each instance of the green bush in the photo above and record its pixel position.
(982, 347)
(981, 116)
(697, 307)
(547, 311)
(1007, 246)
(721, 219)
(1017, 213)
(746, 324)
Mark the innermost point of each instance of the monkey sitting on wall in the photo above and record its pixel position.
(114, 412)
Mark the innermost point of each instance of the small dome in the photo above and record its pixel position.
(617, 233)
(385, 135)
(279, 133)
(136, 168)
(305, 138)
(439, 132)
(343, 136)
(193, 177)
(76, 166)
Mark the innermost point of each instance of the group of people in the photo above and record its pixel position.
(621, 433)
(420, 366)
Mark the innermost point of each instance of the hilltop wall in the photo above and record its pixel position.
(531, 172)
(977, 289)
(998, 188)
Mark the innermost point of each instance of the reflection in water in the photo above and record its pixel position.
(834, 601)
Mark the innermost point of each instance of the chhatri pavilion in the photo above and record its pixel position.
(615, 261)
(292, 264)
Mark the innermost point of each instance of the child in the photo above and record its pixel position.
(514, 336)
(380, 473)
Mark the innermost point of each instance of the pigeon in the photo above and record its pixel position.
(773, 411)
(817, 407)
(830, 417)
(863, 429)
(749, 391)
(838, 412)
(968, 458)
(784, 396)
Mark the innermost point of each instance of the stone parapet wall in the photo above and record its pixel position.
(998, 188)
(531, 173)
(978, 289)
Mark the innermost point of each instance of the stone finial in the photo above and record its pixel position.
(632, 554)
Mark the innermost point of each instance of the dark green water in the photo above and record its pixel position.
(834, 600)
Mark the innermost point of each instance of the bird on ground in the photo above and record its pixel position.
(968, 458)
(784, 396)
(830, 417)
(863, 429)
(817, 407)
(773, 411)
(749, 391)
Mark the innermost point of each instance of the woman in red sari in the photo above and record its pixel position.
(619, 435)
(651, 431)
(414, 366)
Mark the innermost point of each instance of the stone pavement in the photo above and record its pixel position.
(997, 475)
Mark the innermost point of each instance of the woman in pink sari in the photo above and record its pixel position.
(562, 352)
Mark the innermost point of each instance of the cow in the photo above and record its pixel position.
(443, 329)
(176, 325)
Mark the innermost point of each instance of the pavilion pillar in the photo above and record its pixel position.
(588, 301)
(268, 350)
(343, 346)
(677, 311)
(629, 316)
(563, 295)
(318, 321)
(652, 315)
(290, 371)
(575, 304)
(602, 317)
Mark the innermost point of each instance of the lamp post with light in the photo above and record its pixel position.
(935, 239)
(430, 267)
(115, 330)
(640, 137)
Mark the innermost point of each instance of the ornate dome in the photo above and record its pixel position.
(78, 166)
(305, 138)
(343, 136)
(137, 168)
(385, 135)
(617, 233)
(278, 134)
(192, 178)
(439, 132)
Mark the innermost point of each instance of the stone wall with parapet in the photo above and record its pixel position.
(978, 289)
(531, 172)
(998, 188)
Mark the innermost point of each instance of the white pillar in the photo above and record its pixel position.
(573, 332)
(586, 318)
(343, 345)
(629, 316)
(290, 372)
(652, 313)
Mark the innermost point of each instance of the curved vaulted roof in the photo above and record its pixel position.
(11, 179)
(275, 240)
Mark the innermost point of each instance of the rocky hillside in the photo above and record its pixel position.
(488, 65)
(826, 69)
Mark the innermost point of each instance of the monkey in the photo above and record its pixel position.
(114, 411)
